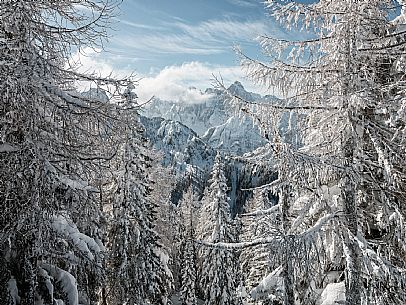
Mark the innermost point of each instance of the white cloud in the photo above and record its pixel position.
(179, 83)
(176, 83)
(90, 61)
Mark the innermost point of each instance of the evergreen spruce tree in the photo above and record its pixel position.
(137, 265)
(187, 255)
(219, 267)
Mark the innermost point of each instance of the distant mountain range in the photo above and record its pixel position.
(213, 121)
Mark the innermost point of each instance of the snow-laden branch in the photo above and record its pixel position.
(317, 227)
(85, 244)
(319, 224)
(7, 148)
(240, 245)
(265, 186)
(66, 280)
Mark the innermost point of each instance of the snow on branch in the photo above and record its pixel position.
(240, 245)
(265, 186)
(13, 291)
(377, 266)
(319, 224)
(272, 282)
(55, 90)
(76, 184)
(67, 281)
(85, 244)
(382, 158)
(7, 148)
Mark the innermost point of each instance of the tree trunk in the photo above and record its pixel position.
(353, 280)
(287, 271)
(349, 187)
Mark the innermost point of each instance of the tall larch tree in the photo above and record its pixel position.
(256, 261)
(345, 82)
(53, 144)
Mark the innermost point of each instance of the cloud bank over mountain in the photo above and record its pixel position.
(177, 83)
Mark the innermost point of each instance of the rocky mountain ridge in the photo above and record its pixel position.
(214, 121)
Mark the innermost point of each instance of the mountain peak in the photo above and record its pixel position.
(238, 89)
(237, 86)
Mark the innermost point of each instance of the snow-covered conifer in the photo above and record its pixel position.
(187, 251)
(219, 267)
(137, 265)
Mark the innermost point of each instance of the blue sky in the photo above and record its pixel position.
(158, 33)
(175, 44)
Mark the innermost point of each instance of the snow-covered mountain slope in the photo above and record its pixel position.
(238, 89)
(183, 151)
(179, 145)
(198, 117)
(189, 136)
(237, 135)
(213, 121)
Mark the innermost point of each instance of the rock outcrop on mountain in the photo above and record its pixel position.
(214, 120)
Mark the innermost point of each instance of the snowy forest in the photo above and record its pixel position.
(299, 199)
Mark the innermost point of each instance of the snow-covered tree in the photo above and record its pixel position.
(187, 255)
(167, 214)
(167, 218)
(256, 261)
(219, 267)
(53, 144)
(137, 265)
(345, 183)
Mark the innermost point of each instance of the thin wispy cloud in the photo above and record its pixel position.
(245, 3)
(159, 38)
(205, 38)
(169, 43)
(224, 30)
(141, 25)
